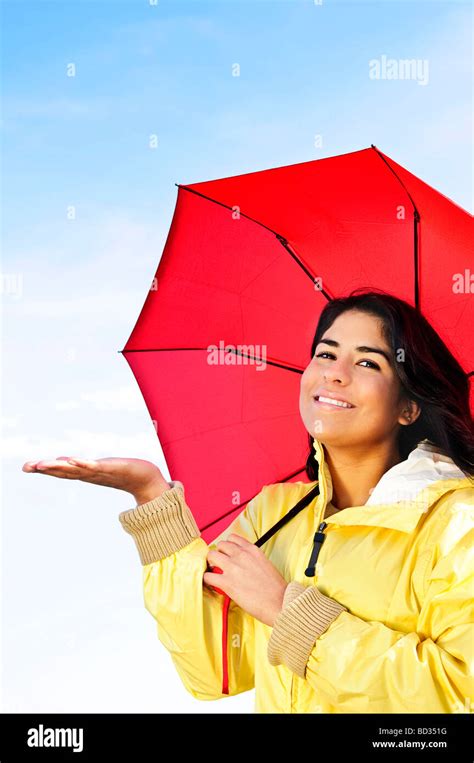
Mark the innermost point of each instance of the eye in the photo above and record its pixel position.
(372, 364)
(324, 353)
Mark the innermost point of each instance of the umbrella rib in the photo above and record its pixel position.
(416, 222)
(244, 503)
(280, 238)
(289, 249)
(205, 349)
(226, 206)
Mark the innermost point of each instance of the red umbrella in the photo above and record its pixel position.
(248, 265)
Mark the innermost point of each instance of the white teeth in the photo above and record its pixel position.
(334, 402)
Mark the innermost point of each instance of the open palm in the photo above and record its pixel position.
(134, 475)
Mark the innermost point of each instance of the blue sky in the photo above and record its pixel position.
(72, 609)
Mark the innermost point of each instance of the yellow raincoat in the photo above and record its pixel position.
(385, 626)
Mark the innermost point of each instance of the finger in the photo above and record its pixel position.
(66, 460)
(55, 472)
(213, 579)
(216, 558)
(239, 540)
(83, 462)
(227, 547)
(52, 463)
(58, 468)
(29, 466)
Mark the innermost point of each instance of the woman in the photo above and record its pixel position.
(386, 625)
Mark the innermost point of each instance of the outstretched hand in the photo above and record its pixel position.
(247, 577)
(141, 478)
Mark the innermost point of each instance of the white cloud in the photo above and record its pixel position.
(67, 405)
(9, 422)
(120, 250)
(107, 305)
(125, 398)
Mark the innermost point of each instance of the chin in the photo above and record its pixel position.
(338, 439)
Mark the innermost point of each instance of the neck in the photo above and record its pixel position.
(355, 474)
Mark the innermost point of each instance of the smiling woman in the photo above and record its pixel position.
(384, 622)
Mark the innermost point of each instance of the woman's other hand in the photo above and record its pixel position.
(248, 577)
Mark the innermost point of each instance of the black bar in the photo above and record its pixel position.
(165, 736)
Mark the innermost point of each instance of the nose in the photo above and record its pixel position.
(337, 371)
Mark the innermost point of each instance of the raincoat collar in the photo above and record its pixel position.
(403, 494)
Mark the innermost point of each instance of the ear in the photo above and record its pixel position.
(409, 413)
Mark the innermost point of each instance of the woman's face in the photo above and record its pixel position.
(365, 379)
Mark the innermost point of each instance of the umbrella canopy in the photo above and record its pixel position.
(249, 263)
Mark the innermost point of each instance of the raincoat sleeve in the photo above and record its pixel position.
(366, 666)
(187, 612)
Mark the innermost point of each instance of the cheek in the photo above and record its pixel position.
(378, 398)
(303, 397)
(305, 382)
(309, 376)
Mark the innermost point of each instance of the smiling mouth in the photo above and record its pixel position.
(328, 403)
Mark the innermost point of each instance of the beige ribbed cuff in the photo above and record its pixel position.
(305, 615)
(161, 526)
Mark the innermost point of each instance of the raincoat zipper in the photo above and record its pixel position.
(318, 541)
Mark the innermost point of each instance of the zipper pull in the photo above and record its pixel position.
(318, 541)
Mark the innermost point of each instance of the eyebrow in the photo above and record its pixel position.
(363, 348)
